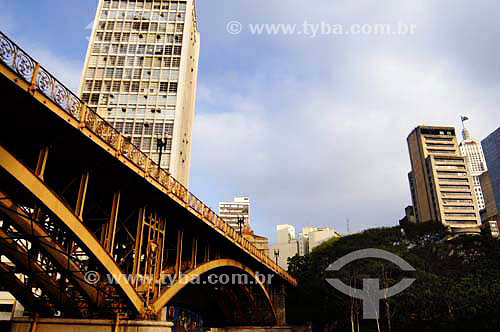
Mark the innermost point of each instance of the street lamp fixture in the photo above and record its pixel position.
(276, 255)
(161, 145)
(241, 222)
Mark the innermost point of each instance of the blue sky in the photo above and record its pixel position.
(312, 129)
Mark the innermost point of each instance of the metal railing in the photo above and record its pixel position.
(41, 80)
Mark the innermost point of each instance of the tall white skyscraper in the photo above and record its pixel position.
(473, 152)
(239, 208)
(140, 74)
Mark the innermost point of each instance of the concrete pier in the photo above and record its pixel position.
(87, 325)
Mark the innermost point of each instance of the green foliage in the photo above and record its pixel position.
(457, 285)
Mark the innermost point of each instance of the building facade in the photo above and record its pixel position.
(239, 208)
(260, 242)
(286, 245)
(311, 237)
(472, 150)
(490, 212)
(140, 74)
(491, 148)
(440, 180)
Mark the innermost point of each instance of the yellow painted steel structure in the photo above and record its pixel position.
(175, 233)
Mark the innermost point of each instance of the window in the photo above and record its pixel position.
(107, 86)
(163, 86)
(146, 143)
(128, 73)
(116, 86)
(119, 126)
(176, 62)
(88, 85)
(125, 86)
(137, 73)
(148, 130)
(138, 129)
(93, 60)
(169, 128)
(128, 128)
(177, 50)
(172, 87)
(135, 87)
(94, 99)
(86, 97)
(158, 129)
(97, 85)
(119, 73)
(104, 99)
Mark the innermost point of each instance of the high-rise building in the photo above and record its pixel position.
(490, 212)
(311, 237)
(491, 148)
(286, 245)
(472, 150)
(440, 180)
(238, 209)
(140, 74)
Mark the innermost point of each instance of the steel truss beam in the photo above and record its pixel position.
(25, 177)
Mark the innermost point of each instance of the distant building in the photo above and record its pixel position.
(490, 212)
(409, 216)
(491, 148)
(238, 208)
(260, 242)
(472, 150)
(288, 245)
(311, 237)
(440, 180)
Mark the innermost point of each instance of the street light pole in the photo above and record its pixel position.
(241, 222)
(276, 255)
(161, 145)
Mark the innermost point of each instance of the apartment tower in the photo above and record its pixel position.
(472, 149)
(238, 209)
(441, 184)
(140, 74)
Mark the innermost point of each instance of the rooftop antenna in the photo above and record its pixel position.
(348, 226)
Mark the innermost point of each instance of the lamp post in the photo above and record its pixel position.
(276, 255)
(161, 145)
(241, 222)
